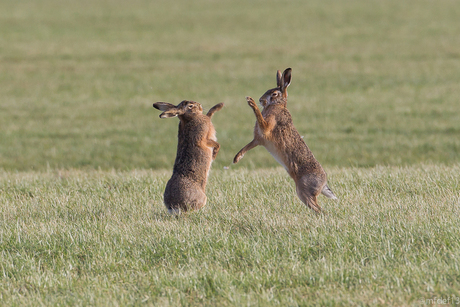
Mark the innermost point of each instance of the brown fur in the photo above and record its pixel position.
(275, 131)
(196, 149)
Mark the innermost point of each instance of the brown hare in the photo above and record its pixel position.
(196, 149)
(275, 131)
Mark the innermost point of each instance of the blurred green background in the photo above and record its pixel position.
(374, 82)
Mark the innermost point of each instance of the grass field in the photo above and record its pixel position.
(84, 158)
(104, 238)
(374, 83)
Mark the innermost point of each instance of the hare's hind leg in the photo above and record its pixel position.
(198, 200)
(308, 188)
(246, 148)
(309, 200)
(193, 200)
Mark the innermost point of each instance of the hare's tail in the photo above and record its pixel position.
(326, 191)
(176, 212)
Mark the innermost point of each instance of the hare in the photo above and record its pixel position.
(275, 131)
(196, 149)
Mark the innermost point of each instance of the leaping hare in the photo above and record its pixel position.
(275, 131)
(196, 149)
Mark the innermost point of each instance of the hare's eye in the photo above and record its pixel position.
(274, 94)
(190, 106)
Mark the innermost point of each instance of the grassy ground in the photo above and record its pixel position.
(84, 157)
(374, 83)
(104, 238)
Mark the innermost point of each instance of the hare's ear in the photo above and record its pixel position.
(279, 79)
(214, 109)
(285, 80)
(163, 106)
(169, 110)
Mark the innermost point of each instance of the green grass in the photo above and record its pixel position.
(84, 158)
(104, 238)
(374, 83)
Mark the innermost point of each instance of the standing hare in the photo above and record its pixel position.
(275, 131)
(196, 149)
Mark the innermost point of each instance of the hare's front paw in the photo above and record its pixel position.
(214, 153)
(237, 158)
(251, 102)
